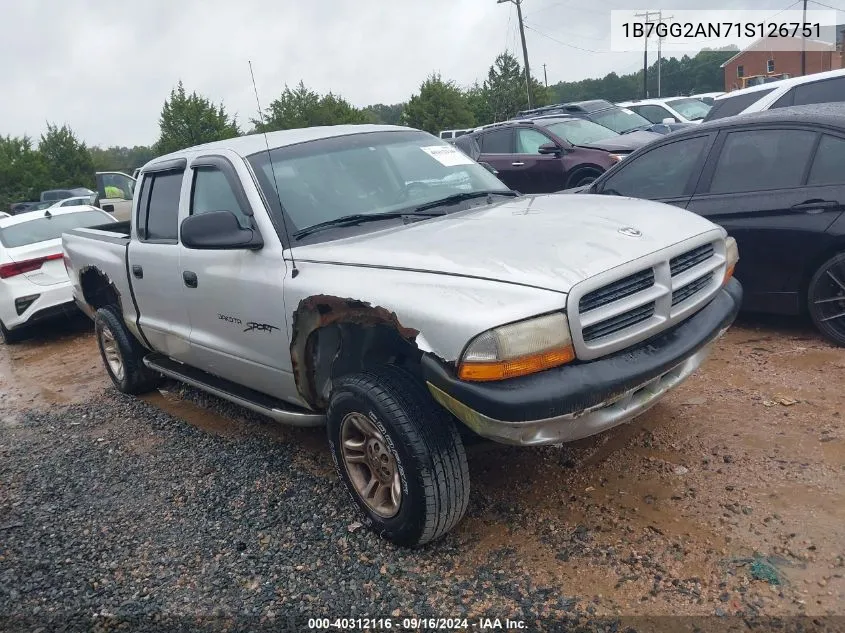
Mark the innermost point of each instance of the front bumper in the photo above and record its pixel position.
(584, 398)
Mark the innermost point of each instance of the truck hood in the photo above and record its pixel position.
(547, 241)
(624, 142)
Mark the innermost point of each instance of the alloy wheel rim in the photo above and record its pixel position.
(111, 353)
(371, 465)
(829, 298)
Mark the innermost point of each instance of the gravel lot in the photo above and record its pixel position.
(726, 499)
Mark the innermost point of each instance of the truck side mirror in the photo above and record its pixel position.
(218, 230)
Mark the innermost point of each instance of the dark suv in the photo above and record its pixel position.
(604, 113)
(549, 154)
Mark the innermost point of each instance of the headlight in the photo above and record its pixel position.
(518, 349)
(731, 258)
(617, 157)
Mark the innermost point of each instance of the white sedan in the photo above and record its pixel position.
(34, 284)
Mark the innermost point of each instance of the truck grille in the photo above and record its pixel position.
(620, 322)
(691, 258)
(617, 290)
(607, 314)
(685, 292)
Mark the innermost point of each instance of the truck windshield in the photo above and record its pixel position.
(368, 173)
(43, 228)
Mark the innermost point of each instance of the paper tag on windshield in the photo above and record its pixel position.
(447, 155)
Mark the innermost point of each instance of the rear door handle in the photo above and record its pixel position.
(190, 279)
(815, 206)
(517, 164)
(137, 271)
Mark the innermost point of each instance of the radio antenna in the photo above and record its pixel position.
(294, 269)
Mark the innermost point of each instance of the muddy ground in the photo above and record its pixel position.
(728, 497)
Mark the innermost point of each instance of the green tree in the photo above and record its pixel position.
(440, 105)
(385, 114)
(188, 120)
(505, 88)
(477, 100)
(301, 107)
(125, 159)
(66, 158)
(23, 174)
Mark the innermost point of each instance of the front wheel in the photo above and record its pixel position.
(399, 454)
(826, 299)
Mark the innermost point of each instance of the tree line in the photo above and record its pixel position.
(61, 159)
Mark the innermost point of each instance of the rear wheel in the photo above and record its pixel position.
(123, 355)
(826, 299)
(12, 336)
(399, 454)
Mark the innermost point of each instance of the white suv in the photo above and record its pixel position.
(824, 87)
(679, 109)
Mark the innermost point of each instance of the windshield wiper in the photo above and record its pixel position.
(352, 220)
(460, 197)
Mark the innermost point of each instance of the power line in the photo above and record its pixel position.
(827, 6)
(549, 37)
(571, 34)
(518, 4)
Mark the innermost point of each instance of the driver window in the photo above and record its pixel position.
(661, 173)
(212, 192)
(528, 141)
(118, 186)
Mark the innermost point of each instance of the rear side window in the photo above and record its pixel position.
(159, 211)
(755, 160)
(827, 91)
(734, 105)
(829, 165)
(497, 142)
(660, 173)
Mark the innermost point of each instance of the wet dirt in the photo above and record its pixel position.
(676, 512)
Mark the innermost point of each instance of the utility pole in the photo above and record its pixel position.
(518, 4)
(803, 43)
(647, 20)
(545, 76)
(659, 52)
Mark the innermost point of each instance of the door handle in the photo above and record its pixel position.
(190, 279)
(815, 206)
(517, 164)
(137, 271)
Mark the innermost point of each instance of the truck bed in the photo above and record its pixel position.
(105, 248)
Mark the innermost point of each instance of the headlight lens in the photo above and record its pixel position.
(617, 157)
(731, 258)
(518, 349)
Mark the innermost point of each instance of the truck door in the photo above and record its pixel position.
(115, 190)
(234, 297)
(154, 261)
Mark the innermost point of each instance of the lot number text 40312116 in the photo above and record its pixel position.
(416, 624)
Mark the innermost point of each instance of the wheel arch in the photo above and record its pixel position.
(334, 336)
(98, 290)
(581, 171)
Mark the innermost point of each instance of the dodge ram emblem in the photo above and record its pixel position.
(630, 231)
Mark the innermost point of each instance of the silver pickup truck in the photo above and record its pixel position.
(377, 280)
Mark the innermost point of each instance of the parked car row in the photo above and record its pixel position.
(776, 181)
(114, 195)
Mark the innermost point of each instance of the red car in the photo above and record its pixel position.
(549, 154)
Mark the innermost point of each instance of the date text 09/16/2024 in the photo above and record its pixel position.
(415, 624)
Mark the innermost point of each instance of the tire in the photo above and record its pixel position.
(429, 465)
(584, 178)
(119, 348)
(826, 299)
(10, 337)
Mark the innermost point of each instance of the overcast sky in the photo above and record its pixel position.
(106, 66)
